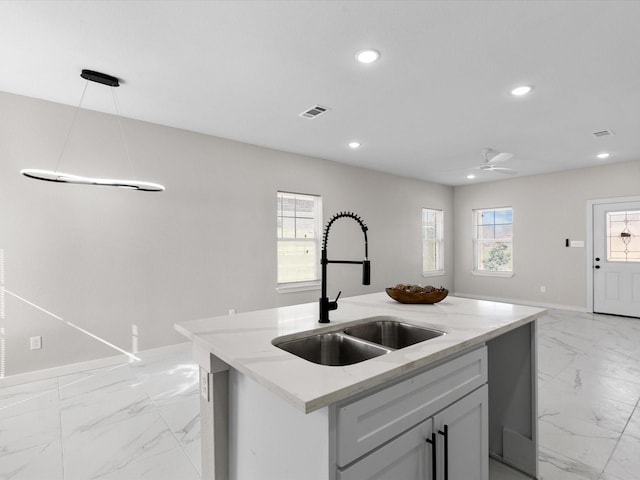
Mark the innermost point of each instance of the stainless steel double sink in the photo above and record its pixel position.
(357, 343)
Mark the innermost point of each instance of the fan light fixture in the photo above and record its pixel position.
(60, 177)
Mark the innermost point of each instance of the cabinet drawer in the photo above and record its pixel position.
(364, 424)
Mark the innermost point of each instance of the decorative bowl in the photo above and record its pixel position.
(414, 294)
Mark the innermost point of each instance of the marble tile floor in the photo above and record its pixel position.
(140, 420)
(130, 421)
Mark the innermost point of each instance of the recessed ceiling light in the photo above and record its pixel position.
(603, 155)
(522, 90)
(368, 55)
(354, 145)
(471, 176)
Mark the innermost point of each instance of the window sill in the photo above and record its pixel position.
(492, 274)
(298, 287)
(435, 273)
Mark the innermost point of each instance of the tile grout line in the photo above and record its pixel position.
(620, 437)
(178, 441)
(157, 408)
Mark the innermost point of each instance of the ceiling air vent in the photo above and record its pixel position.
(603, 133)
(314, 111)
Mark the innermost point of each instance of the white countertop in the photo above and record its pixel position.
(243, 341)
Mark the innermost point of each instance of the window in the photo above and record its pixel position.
(432, 242)
(299, 237)
(623, 234)
(493, 241)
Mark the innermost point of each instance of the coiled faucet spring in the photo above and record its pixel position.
(325, 305)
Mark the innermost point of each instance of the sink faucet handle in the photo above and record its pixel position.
(334, 305)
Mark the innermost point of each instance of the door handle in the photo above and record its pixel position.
(445, 434)
(597, 267)
(434, 456)
(597, 259)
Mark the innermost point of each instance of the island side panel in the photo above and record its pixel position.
(270, 439)
(214, 415)
(513, 398)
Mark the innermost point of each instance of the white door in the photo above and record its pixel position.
(616, 258)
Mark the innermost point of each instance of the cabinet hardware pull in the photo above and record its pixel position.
(434, 457)
(445, 434)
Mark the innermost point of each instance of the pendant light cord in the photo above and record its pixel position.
(73, 124)
(124, 143)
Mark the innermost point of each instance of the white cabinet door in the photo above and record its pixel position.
(408, 457)
(463, 441)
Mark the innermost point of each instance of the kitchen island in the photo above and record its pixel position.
(268, 414)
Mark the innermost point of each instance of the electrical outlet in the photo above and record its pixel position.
(232, 311)
(204, 384)
(36, 343)
(543, 289)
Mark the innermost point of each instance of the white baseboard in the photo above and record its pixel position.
(516, 301)
(69, 369)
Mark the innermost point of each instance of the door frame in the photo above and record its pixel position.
(589, 237)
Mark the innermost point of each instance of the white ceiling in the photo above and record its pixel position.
(244, 70)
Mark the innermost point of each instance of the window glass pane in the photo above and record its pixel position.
(288, 227)
(503, 216)
(495, 256)
(296, 261)
(618, 256)
(429, 216)
(305, 228)
(633, 216)
(485, 232)
(486, 217)
(615, 229)
(617, 216)
(429, 233)
(432, 240)
(298, 224)
(288, 206)
(494, 240)
(623, 236)
(504, 231)
(305, 207)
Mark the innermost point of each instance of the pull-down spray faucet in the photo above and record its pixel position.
(325, 305)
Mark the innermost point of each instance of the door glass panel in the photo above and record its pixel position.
(623, 236)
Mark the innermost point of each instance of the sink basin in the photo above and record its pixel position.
(392, 333)
(358, 343)
(333, 349)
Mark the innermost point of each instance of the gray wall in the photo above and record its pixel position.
(547, 209)
(106, 259)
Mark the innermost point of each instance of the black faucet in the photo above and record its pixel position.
(325, 305)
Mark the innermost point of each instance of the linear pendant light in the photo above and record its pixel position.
(60, 177)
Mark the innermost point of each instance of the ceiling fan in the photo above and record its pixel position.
(491, 158)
